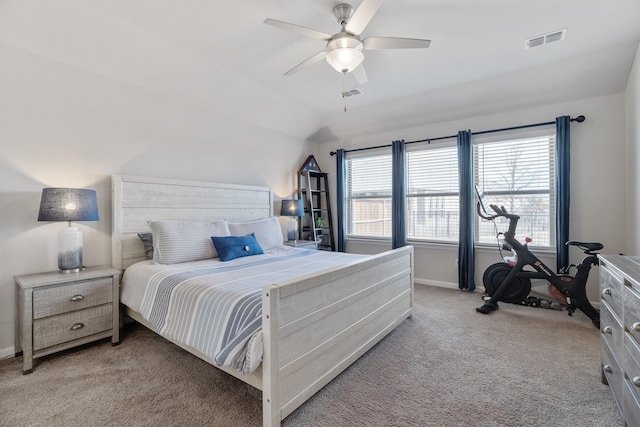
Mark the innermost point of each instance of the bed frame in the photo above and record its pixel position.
(314, 327)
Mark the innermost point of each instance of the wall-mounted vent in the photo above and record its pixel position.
(351, 92)
(545, 39)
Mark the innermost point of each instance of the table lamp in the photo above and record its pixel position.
(69, 204)
(293, 209)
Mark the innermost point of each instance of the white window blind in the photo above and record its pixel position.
(518, 174)
(432, 192)
(369, 196)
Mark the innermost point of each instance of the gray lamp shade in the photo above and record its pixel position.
(68, 204)
(292, 208)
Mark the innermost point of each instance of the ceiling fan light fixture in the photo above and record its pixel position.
(344, 50)
(345, 60)
(344, 54)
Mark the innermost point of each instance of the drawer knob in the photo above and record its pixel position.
(77, 326)
(607, 368)
(607, 330)
(606, 291)
(77, 298)
(636, 326)
(636, 381)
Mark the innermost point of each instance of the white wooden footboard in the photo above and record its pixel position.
(315, 327)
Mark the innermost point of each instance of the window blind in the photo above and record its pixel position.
(369, 183)
(518, 174)
(432, 192)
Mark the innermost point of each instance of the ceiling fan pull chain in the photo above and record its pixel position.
(344, 74)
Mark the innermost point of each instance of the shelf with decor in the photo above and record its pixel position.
(317, 223)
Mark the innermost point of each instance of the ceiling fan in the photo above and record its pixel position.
(344, 49)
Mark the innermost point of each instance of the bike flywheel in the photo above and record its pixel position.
(516, 292)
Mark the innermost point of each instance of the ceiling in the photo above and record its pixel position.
(477, 61)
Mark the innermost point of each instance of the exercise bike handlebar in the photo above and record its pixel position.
(500, 211)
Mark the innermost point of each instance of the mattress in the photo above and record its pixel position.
(215, 307)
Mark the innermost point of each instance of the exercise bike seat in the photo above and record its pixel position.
(586, 246)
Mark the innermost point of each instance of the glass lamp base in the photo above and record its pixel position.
(69, 250)
(292, 229)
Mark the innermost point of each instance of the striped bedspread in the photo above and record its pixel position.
(216, 307)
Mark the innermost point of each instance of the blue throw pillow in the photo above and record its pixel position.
(232, 247)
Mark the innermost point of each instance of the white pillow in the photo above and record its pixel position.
(268, 232)
(181, 241)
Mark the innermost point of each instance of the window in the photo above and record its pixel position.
(518, 174)
(433, 211)
(369, 196)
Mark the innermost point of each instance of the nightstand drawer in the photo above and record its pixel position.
(75, 296)
(65, 327)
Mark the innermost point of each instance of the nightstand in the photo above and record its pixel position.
(304, 244)
(58, 311)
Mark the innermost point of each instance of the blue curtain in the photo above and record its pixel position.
(562, 190)
(466, 256)
(398, 196)
(341, 169)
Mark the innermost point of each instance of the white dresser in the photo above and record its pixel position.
(620, 331)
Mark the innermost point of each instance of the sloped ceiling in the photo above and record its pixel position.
(220, 55)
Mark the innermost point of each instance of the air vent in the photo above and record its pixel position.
(348, 93)
(545, 39)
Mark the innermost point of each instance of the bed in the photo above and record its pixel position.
(313, 326)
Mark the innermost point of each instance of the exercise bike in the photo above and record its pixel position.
(509, 282)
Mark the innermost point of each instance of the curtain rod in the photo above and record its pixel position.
(578, 119)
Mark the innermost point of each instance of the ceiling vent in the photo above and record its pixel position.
(348, 93)
(545, 39)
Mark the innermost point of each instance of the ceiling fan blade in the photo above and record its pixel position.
(315, 58)
(362, 16)
(379, 43)
(360, 75)
(307, 32)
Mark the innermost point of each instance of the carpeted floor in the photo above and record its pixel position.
(446, 366)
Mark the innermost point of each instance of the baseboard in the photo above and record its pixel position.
(5, 353)
(447, 285)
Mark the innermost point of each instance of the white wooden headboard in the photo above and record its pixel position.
(137, 200)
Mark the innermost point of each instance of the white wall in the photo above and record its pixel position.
(632, 109)
(66, 126)
(597, 180)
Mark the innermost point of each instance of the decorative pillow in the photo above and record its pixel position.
(232, 247)
(180, 241)
(267, 230)
(147, 241)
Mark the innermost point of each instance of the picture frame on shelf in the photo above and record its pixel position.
(310, 164)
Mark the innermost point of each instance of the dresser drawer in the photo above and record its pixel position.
(66, 327)
(611, 290)
(74, 296)
(612, 370)
(610, 328)
(630, 404)
(632, 312)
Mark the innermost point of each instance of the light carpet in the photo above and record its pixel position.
(445, 366)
